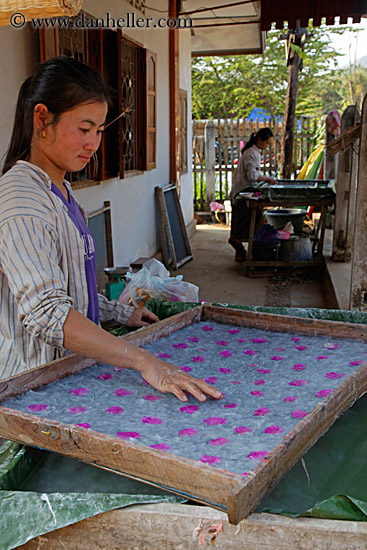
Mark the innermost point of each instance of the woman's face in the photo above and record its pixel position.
(263, 144)
(68, 145)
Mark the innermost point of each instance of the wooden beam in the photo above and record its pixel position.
(345, 192)
(174, 99)
(358, 289)
(164, 526)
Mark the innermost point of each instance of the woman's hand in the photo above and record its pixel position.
(141, 317)
(169, 378)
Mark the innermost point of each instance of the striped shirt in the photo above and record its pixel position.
(42, 272)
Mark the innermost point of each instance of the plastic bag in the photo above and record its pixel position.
(267, 234)
(144, 285)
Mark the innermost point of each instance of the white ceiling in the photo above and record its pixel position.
(228, 30)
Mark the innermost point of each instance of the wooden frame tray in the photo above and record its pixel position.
(219, 488)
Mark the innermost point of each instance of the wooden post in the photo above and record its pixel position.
(358, 288)
(174, 99)
(345, 192)
(296, 37)
(286, 163)
(210, 162)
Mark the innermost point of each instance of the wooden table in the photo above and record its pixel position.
(321, 204)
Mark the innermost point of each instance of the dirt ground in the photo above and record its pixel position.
(221, 279)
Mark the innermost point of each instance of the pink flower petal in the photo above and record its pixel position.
(180, 346)
(295, 339)
(299, 414)
(211, 380)
(264, 371)
(121, 392)
(161, 447)
(262, 411)
(230, 406)
(146, 383)
(193, 339)
(273, 430)
(214, 421)
(278, 349)
(242, 430)
(259, 340)
(259, 382)
(298, 383)
(244, 473)
(323, 393)
(105, 376)
(253, 365)
(225, 353)
(257, 393)
(249, 352)
(79, 391)
(118, 369)
(234, 382)
(188, 432)
(299, 366)
(242, 340)
(277, 358)
(128, 435)
(334, 375)
(222, 342)
(355, 363)
(201, 349)
(163, 354)
(198, 359)
(186, 369)
(115, 410)
(233, 331)
(76, 410)
(151, 420)
(331, 346)
(84, 425)
(224, 370)
(207, 459)
(322, 357)
(300, 348)
(153, 397)
(37, 407)
(189, 409)
(219, 441)
(207, 327)
(290, 398)
(257, 455)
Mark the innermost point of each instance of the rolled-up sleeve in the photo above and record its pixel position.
(112, 309)
(30, 259)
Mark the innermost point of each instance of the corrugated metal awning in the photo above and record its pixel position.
(37, 9)
(280, 11)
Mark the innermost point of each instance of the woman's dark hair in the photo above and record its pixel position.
(263, 134)
(61, 84)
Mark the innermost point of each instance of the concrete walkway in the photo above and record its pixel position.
(221, 279)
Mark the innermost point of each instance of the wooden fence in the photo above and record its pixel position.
(217, 147)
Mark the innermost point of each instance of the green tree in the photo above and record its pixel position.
(232, 86)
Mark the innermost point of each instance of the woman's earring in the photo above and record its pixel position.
(43, 134)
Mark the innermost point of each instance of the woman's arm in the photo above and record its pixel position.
(84, 337)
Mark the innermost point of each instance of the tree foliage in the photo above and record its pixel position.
(232, 86)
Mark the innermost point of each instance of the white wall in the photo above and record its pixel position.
(185, 84)
(19, 57)
(134, 221)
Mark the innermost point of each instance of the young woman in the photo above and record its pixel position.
(246, 174)
(49, 301)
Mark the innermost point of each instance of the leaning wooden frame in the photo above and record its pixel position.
(213, 486)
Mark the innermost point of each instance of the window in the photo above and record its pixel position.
(129, 145)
